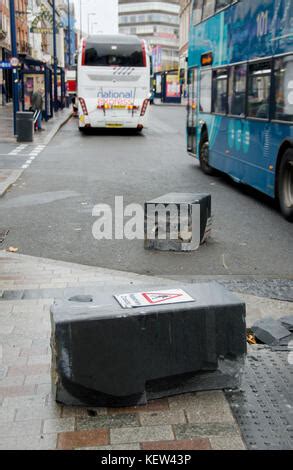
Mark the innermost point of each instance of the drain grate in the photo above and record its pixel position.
(264, 406)
(3, 234)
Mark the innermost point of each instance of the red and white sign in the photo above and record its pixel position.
(14, 61)
(148, 299)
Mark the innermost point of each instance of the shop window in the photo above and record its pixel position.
(208, 8)
(222, 4)
(197, 11)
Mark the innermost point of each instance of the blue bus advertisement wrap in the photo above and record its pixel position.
(240, 93)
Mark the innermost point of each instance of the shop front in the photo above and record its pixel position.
(6, 78)
(170, 87)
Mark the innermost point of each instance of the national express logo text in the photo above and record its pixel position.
(112, 94)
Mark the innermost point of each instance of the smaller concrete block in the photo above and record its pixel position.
(177, 222)
(270, 331)
(287, 322)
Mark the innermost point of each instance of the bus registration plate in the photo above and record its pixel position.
(112, 124)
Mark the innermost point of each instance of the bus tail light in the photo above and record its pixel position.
(144, 56)
(83, 52)
(83, 106)
(132, 107)
(144, 107)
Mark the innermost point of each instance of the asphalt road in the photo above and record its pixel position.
(49, 210)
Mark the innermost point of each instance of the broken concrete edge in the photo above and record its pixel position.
(271, 332)
(12, 178)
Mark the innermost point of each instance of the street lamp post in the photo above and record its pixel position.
(94, 24)
(80, 17)
(14, 69)
(88, 19)
(55, 58)
(69, 35)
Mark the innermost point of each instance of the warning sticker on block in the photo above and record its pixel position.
(148, 299)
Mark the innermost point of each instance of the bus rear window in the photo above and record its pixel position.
(123, 55)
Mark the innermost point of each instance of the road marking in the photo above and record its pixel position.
(30, 156)
(18, 149)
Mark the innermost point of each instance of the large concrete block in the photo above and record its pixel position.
(177, 222)
(106, 355)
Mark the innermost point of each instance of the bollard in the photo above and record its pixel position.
(108, 353)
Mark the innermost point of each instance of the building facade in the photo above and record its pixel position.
(4, 25)
(22, 32)
(157, 23)
(184, 17)
(67, 13)
(41, 31)
(34, 36)
(5, 46)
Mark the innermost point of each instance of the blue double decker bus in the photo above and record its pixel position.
(240, 93)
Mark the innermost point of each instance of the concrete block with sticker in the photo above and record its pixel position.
(112, 348)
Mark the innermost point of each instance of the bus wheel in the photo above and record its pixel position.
(204, 155)
(285, 185)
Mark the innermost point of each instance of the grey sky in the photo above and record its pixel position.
(105, 19)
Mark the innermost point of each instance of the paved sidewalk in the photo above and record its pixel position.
(29, 416)
(52, 126)
(6, 123)
(158, 102)
(8, 176)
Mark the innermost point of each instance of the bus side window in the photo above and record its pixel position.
(220, 83)
(197, 11)
(237, 90)
(205, 104)
(283, 71)
(259, 87)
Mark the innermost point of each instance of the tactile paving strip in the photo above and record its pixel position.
(264, 406)
(279, 289)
